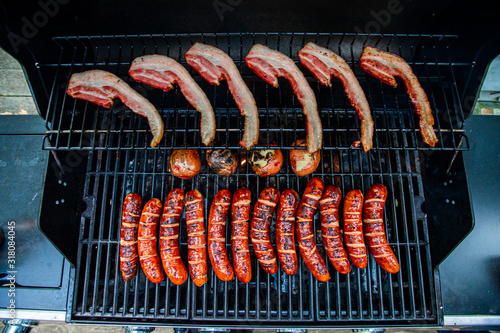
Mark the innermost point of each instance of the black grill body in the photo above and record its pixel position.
(104, 155)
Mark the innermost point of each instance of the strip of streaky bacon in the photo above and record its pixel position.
(214, 66)
(162, 72)
(269, 64)
(100, 87)
(385, 66)
(324, 63)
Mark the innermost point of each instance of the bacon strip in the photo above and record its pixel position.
(100, 87)
(385, 66)
(269, 64)
(214, 66)
(163, 72)
(324, 63)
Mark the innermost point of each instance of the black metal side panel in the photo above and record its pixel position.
(470, 274)
(62, 206)
(447, 203)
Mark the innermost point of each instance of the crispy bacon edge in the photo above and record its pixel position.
(386, 66)
(214, 66)
(323, 63)
(101, 87)
(270, 64)
(162, 72)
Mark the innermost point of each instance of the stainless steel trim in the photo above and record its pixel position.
(479, 320)
(35, 314)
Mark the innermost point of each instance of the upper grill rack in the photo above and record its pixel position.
(75, 124)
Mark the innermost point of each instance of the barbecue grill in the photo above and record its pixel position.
(101, 155)
(119, 161)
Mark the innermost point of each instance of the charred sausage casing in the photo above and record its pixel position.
(330, 229)
(217, 236)
(285, 231)
(373, 220)
(305, 233)
(197, 241)
(147, 244)
(240, 212)
(353, 228)
(128, 235)
(169, 237)
(261, 221)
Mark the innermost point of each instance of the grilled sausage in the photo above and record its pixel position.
(128, 235)
(285, 231)
(148, 256)
(169, 237)
(330, 229)
(261, 221)
(373, 220)
(217, 236)
(197, 242)
(240, 211)
(305, 233)
(353, 228)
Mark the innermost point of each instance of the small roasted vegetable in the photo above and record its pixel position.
(301, 161)
(185, 163)
(222, 161)
(266, 162)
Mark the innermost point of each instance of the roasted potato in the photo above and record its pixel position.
(185, 163)
(266, 162)
(301, 161)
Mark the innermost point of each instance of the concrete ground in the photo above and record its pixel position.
(15, 95)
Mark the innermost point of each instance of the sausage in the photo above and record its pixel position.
(305, 233)
(217, 236)
(169, 237)
(261, 220)
(240, 213)
(197, 242)
(148, 256)
(128, 235)
(285, 231)
(330, 229)
(353, 228)
(373, 221)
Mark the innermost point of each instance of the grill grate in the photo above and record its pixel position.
(364, 297)
(73, 124)
(119, 161)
